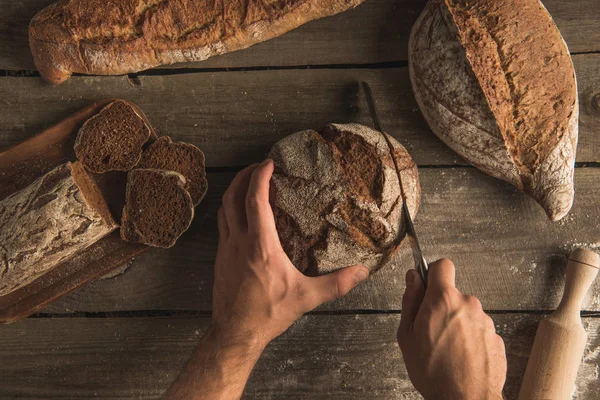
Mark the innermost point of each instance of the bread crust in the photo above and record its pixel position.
(49, 221)
(337, 200)
(97, 138)
(149, 216)
(495, 82)
(111, 37)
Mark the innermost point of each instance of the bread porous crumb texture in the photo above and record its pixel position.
(336, 197)
(158, 208)
(113, 139)
(180, 157)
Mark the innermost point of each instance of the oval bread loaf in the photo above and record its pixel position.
(495, 82)
(111, 37)
(336, 197)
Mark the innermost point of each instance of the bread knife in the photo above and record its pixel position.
(420, 263)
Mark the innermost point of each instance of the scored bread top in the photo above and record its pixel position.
(111, 37)
(524, 70)
(336, 197)
(180, 157)
(495, 82)
(112, 140)
(158, 208)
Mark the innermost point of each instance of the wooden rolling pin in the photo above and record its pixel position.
(561, 338)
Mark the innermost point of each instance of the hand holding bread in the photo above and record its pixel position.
(258, 293)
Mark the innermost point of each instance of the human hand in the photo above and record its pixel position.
(257, 292)
(450, 346)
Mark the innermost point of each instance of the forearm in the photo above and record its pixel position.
(217, 370)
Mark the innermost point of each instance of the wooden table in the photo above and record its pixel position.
(128, 336)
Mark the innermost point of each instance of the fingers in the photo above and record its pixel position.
(334, 285)
(222, 224)
(441, 275)
(234, 201)
(258, 209)
(411, 301)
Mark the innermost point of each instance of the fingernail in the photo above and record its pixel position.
(360, 276)
(265, 162)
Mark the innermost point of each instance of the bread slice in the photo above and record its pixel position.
(158, 208)
(46, 223)
(113, 139)
(113, 37)
(180, 157)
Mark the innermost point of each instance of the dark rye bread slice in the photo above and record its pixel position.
(158, 208)
(180, 157)
(113, 139)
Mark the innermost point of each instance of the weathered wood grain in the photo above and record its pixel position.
(506, 251)
(320, 357)
(235, 117)
(376, 31)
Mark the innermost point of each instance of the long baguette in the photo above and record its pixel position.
(111, 37)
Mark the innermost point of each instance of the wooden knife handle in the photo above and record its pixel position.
(560, 339)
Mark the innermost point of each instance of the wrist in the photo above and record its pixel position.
(250, 344)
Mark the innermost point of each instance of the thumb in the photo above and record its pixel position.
(411, 301)
(334, 285)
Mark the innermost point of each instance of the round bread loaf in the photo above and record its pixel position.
(337, 200)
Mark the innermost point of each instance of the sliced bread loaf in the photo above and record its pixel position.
(46, 223)
(112, 140)
(158, 208)
(180, 157)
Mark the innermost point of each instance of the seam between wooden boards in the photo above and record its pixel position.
(192, 70)
(206, 314)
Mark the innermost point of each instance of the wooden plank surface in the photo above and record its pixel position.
(376, 31)
(320, 357)
(506, 250)
(235, 117)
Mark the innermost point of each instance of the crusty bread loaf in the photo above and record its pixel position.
(113, 139)
(336, 197)
(495, 82)
(108, 37)
(180, 157)
(158, 208)
(44, 224)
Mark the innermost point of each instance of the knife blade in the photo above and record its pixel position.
(420, 263)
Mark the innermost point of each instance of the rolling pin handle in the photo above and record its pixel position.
(582, 269)
(561, 338)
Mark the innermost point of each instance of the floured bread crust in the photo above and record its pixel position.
(336, 197)
(495, 82)
(111, 37)
(46, 223)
